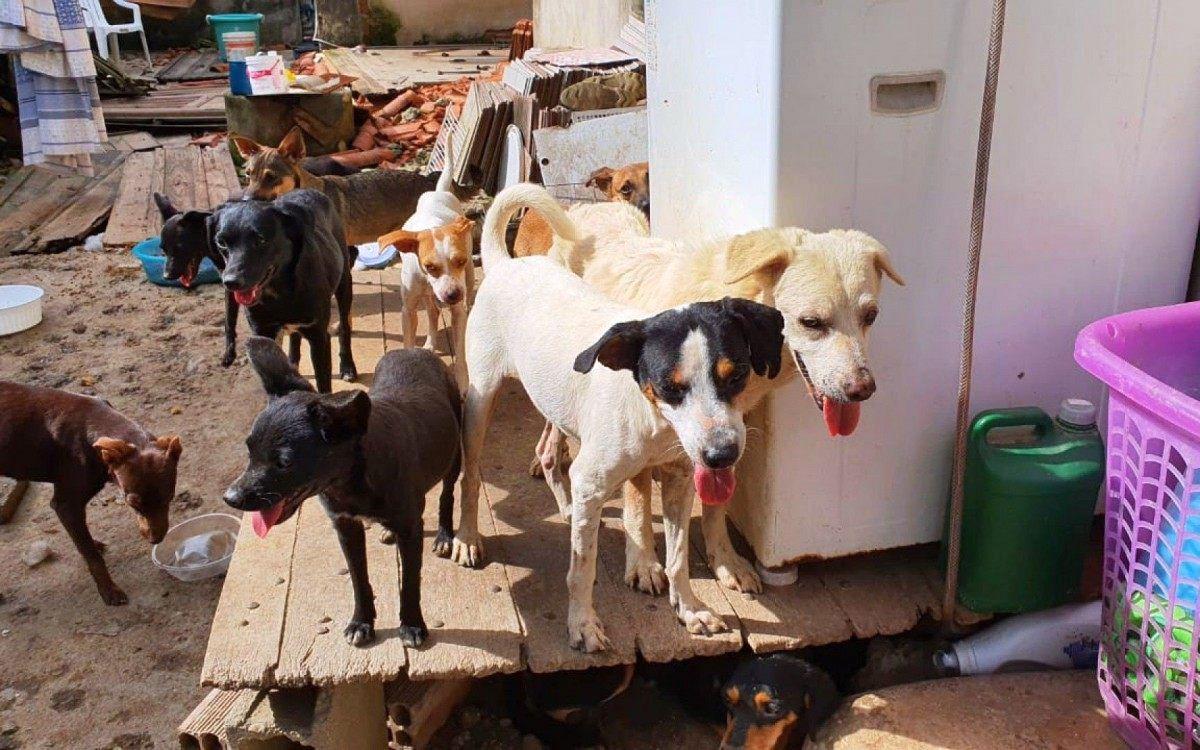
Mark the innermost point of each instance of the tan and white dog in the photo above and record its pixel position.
(436, 269)
(632, 390)
(827, 286)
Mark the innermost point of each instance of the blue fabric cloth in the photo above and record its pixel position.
(59, 103)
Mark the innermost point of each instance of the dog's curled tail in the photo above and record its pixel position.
(446, 178)
(493, 248)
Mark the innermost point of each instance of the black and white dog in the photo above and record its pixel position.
(666, 396)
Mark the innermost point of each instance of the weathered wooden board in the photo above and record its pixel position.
(191, 176)
(882, 594)
(195, 65)
(134, 216)
(243, 647)
(82, 216)
(12, 493)
(30, 197)
(383, 70)
(313, 649)
(135, 141)
(183, 105)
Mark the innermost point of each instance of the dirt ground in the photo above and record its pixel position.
(77, 674)
(86, 675)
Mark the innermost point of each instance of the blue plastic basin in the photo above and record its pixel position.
(149, 252)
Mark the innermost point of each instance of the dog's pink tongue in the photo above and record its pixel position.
(246, 297)
(714, 486)
(841, 418)
(263, 520)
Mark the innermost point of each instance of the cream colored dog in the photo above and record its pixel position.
(827, 286)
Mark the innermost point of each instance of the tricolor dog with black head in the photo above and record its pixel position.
(371, 455)
(637, 392)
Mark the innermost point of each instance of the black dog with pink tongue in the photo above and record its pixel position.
(283, 260)
(371, 455)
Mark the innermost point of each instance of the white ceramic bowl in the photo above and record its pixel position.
(198, 548)
(20, 307)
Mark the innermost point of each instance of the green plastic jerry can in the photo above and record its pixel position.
(1029, 497)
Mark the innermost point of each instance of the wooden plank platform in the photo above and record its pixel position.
(194, 65)
(186, 105)
(386, 70)
(511, 614)
(191, 176)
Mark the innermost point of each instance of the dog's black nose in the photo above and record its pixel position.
(862, 387)
(720, 456)
(234, 498)
(453, 297)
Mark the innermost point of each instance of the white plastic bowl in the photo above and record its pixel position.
(198, 548)
(20, 307)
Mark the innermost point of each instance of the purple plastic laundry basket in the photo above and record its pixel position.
(1148, 674)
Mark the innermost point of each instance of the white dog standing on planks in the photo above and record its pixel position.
(668, 395)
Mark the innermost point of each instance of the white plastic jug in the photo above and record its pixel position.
(265, 71)
(1065, 637)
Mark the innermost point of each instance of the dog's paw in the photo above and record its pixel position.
(646, 574)
(114, 596)
(413, 635)
(101, 547)
(349, 372)
(228, 357)
(700, 621)
(387, 537)
(443, 543)
(359, 633)
(588, 636)
(736, 572)
(467, 551)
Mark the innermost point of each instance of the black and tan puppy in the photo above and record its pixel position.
(368, 455)
(79, 444)
(775, 703)
(283, 260)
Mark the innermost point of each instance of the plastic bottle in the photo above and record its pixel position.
(1062, 638)
(1030, 493)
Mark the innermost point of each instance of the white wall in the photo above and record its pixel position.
(1094, 199)
(579, 23)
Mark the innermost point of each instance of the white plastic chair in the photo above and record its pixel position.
(106, 33)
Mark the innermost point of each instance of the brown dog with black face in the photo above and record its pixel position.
(371, 203)
(79, 444)
(628, 184)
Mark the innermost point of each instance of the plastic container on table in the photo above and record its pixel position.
(1029, 500)
(239, 80)
(223, 23)
(265, 71)
(1148, 670)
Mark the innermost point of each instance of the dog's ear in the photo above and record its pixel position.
(294, 219)
(461, 225)
(601, 179)
(165, 207)
(171, 445)
(341, 416)
(403, 240)
(763, 328)
(292, 145)
(278, 376)
(763, 251)
(619, 348)
(245, 146)
(113, 451)
(198, 218)
(883, 264)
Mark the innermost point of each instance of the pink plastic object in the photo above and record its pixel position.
(1148, 672)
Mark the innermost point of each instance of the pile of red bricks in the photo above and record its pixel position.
(411, 120)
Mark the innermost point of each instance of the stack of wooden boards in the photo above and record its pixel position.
(47, 209)
(477, 138)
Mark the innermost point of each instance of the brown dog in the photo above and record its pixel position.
(371, 203)
(79, 444)
(628, 184)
